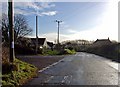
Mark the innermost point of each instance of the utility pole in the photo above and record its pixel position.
(36, 34)
(11, 30)
(58, 30)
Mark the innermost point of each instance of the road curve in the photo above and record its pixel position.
(79, 69)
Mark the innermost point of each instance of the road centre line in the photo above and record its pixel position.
(50, 66)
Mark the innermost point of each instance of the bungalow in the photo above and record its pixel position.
(41, 42)
(50, 45)
(101, 42)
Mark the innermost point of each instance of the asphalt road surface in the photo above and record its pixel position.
(79, 69)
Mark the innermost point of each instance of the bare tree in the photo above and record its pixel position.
(5, 27)
(21, 27)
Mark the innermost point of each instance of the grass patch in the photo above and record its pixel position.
(21, 73)
(59, 52)
(68, 51)
(50, 52)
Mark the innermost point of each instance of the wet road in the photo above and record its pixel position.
(79, 69)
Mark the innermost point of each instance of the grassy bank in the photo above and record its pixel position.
(21, 73)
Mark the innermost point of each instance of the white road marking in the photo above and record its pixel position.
(49, 79)
(69, 79)
(65, 77)
(50, 66)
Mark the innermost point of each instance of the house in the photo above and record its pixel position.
(50, 45)
(41, 42)
(101, 42)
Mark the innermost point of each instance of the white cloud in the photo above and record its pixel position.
(33, 5)
(72, 31)
(49, 13)
(47, 4)
(19, 11)
(0, 11)
(29, 8)
(53, 36)
(63, 26)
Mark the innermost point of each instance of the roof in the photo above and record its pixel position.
(50, 44)
(40, 41)
(100, 42)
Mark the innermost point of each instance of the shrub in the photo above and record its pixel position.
(70, 48)
(67, 51)
(70, 51)
(50, 52)
(23, 50)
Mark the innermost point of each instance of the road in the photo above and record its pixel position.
(79, 69)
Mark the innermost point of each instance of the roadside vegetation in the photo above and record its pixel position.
(21, 73)
(111, 51)
(16, 73)
(58, 52)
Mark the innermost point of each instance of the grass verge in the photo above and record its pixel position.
(21, 73)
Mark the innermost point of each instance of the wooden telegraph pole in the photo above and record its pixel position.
(36, 34)
(58, 30)
(11, 30)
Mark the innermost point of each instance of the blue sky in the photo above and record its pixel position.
(75, 15)
(80, 20)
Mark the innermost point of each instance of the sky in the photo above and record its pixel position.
(80, 20)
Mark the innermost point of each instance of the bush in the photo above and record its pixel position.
(67, 51)
(50, 52)
(70, 51)
(23, 50)
(70, 48)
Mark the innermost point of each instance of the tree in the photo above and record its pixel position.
(5, 27)
(21, 27)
